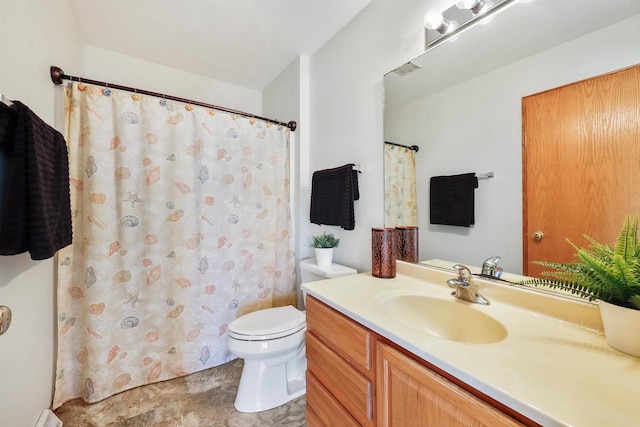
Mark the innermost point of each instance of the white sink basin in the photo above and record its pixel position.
(452, 320)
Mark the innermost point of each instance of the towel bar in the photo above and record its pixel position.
(485, 175)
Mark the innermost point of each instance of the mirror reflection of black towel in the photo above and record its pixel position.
(452, 199)
(332, 194)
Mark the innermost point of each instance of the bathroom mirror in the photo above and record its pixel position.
(462, 107)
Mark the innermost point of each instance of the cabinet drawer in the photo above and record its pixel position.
(343, 335)
(322, 409)
(352, 389)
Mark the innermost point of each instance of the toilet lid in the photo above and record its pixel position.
(268, 324)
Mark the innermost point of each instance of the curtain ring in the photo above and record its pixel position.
(163, 101)
(135, 95)
(106, 91)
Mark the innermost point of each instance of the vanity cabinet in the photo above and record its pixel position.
(355, 377)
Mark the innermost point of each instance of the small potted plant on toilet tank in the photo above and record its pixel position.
(324, 244)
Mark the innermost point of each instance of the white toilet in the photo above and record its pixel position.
(271, 342)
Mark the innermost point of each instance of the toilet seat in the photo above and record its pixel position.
(268, 324)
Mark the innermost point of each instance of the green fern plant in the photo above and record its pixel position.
(600, 272)
(324, 241)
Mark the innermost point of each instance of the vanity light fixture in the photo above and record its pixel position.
(440, 27)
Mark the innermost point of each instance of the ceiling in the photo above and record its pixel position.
(243, 42)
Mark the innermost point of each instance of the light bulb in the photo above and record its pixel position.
(478, 7)
(488, 4)
(466, 4)
(433, 19)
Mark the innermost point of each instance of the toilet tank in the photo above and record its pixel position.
(311, 272)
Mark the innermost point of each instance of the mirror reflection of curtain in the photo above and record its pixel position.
(400, 201)
(180, 225)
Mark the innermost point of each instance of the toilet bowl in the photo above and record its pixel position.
(271, 342)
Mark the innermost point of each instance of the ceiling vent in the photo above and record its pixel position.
(405, 69)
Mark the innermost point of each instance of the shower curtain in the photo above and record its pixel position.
(400, 201)
(180, 225)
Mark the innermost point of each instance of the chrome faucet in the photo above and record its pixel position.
(490, 267)
(464, 287)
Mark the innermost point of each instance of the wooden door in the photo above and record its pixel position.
(581, 164)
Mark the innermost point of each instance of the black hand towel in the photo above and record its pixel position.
(452, 199)
(332, 194)
(35, 213)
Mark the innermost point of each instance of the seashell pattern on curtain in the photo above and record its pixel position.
(181, 224)
(400, 197)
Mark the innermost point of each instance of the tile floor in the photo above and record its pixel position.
(203, 399)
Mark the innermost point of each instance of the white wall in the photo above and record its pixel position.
(113, 67)
(476, 127)
(33, 36)
(347, 105)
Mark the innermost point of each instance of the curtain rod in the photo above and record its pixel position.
(413, 147)
(57, 76)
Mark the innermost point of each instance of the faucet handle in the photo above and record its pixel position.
(464, 273)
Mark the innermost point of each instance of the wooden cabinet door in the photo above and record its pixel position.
(409, 394)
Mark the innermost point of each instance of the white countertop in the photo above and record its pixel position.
(554, 366)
